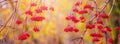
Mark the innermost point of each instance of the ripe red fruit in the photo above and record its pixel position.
(96, 15)
(51, 8)
(82, 11)
(18, 22)
(23, 36)
(71, 17)
(75, 30)
(29, 12)
(88, 7)
(117, 28)
(99, 21)
(39, 10)
(90, 26)
(103, 30)
(75, 10)
(36, 29)
(100, 27)
(118, 35)
(37, 18)
(44, 7)
(78, 3)
(82, 19)
(69, 29)
(75, 20)
(68, 18)
(108, 29)
(95, 39)
(93, 34)
(99, 35)
(96, 35)
(33, 4)
(104, 15)
(110, 40)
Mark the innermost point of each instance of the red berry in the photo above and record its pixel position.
(100, 27)
(117, 28)
(66, 30)
(39, 10)
(110, 40)
(29, 12)
(82, 19)
(78, 3)
(37, 18)
(68, 18)
(75, 10)
(33, 4)
(96, 35)
(36, 29)
(95, 39)
(104, 15)
(88, 7)
(93, 34)
(23, 36)
(82, 11)
(99, 35)
(108, 29)
(99, 22)
(118, 35)
(90, 26)
(18, 22)
(44, 7)
(51, 8)
(69, 29)
(75, 20)
(75, 29)
(103, 30)
(96, 15)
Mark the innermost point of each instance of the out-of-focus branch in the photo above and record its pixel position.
(2, 1)
(111, 7)
(11, 15)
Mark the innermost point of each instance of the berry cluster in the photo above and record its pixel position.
(96, 21)
(33, 17)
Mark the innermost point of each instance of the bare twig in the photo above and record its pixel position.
(9, 18)
(111, 7)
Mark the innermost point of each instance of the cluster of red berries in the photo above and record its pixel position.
(33, 18)
(81, 19)
(71, 29)
(98, 24)
(23, 36)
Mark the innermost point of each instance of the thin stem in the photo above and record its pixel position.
(9, 18)
(111, 8)
(101, 10)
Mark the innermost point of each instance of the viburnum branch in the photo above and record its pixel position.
(11, 15)
(9, 26)
(95, 5)
(101, 10)
(111, 7)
